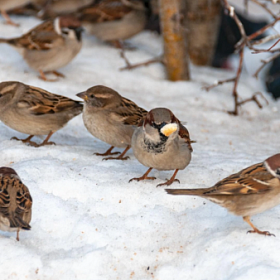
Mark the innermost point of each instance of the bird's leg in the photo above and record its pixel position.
(122, 45)
(43, 76)
(18, 234)
(7, 18)
(108, 152)
(171, 180)
(255, 230)
(27, 140)
(45, 142)
(144, 177)
(58, 74)
(121, 156)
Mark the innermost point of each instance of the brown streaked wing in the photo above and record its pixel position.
(251, 180)
(184, 134)
(5, 199)
(39, 102)
(23, 205)
(40, 37)
(107, 10)
(129, 113)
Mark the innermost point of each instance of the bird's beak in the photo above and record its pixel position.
(82, 95)
(168, 129)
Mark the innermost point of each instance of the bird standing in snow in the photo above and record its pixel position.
(251, 191)
(34, 111)
(163, 143)
(111, 118)
(50, 45)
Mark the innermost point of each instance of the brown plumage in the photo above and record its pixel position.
(114, 20)
(50, 45)
(246, 193)
(15, 202)
(35, 111)
(110, 117)
(161, 142)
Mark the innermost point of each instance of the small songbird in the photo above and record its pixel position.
(50, 45)
(111, 118)
(114, 20)
(251, 191)
(15, 202)
(6, 5)
(163, 143)
(34, 111)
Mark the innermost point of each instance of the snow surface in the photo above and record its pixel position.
(90, 223)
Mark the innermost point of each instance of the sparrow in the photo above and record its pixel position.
(50, 45)
(161, 142)
(113, 20)
(15, 202)
(251, 191)
(6, 5)
(111, 118)
(53, 8)
(35, 111)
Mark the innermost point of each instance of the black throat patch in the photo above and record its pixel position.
(156, 148)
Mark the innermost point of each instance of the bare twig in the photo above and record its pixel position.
(267, 39)
(254, 98)
(269, 49)
(264, 6)
(245, 41)
(217, 83)
(265, 62)
(130, 66)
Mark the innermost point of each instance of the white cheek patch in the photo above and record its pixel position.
(272, 172)
(57, 26)
(71, 34)
(168, 129)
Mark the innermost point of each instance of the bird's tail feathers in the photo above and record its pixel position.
(185, 191)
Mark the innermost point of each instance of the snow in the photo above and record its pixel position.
(90, 223)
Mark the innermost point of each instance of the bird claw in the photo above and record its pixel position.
(107, 154)
(118, 158)
(266, 233)
(141, 179)
(31, 143)
(47, 143)
(168, 182)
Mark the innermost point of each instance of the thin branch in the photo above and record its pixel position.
(269, 49)
(240, 46)
(264, 6)
(130, 66)
(265, 62)
(217, 83)
(266, 39)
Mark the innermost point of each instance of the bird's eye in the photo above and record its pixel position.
(277, 171)
(1, 95)
(92, 96)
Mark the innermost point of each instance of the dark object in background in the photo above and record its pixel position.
(273, 78)
(229, 35)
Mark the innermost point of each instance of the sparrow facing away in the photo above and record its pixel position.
(163, 143)
(251, 191)
(6, 5)
(114, 20)
(15, 202)
(111, 118)
(34, 111)
(50, 45)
